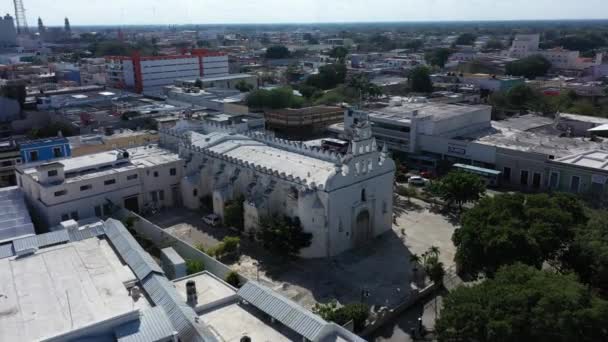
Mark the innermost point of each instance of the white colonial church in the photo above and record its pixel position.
(344, 200)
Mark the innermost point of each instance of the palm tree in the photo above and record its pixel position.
(415, 261)
(434, 250)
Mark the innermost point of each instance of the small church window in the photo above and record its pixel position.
(363, 196)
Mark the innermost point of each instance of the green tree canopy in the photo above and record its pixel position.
(460, 187)
(243, 86)
(588, 252)
(466, 39)
(338, 52)
(329, 76)
(494, 44)
(420, 80)
(283, 236)
(277, 98)
(277, 52)
(529, 67)
(511, 228)
(523, 304)
(437, 57)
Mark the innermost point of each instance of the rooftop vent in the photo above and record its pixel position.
(191, 297)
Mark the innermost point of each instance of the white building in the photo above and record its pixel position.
(148, 74)
(92, 185)
(525, 45)
(343, 200)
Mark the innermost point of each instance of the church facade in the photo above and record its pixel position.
(344, 200)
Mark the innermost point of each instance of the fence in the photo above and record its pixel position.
(162, 239)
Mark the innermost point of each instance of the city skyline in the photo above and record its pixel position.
(145, 12)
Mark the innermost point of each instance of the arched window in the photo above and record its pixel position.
(363, 196)
(195, 192)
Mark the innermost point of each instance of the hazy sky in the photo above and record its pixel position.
(112, 12)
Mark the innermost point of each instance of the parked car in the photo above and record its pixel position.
(417, 180)
(212, 219)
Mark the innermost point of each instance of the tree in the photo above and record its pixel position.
(228, 245)
(494, 45)
(523, 304)
(233, 213)
(198, 83)
(466, 39)
(438, 57)
(243, 86)
(194, 266)
(521, 95)
(357, 312)
(329, 76)
(283, 236)
(419, 80)
(529, 67)
(338, 52)
(588, 252)
(277, 52)
(364, 87)
(233, 279)
(461, 187)
(510, 228)
(414, 44)
(277, 98)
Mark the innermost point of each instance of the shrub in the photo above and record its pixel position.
(233, 279)
(194, 266)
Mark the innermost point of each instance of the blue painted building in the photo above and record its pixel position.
(45, 149)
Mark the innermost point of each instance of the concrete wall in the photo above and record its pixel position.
(163, 239)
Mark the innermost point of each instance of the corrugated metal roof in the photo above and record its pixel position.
(6, 251)
(153, 325)
(53, 238)
(184, 319)
(87, 233)
(282, 309)
(41, 240)
(129, 249)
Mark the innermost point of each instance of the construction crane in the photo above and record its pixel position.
(20, 17)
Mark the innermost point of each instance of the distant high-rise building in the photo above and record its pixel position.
(8, 34)
(68, 29)
(41, 28)
(20, 17)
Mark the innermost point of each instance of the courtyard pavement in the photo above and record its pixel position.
(381, 267)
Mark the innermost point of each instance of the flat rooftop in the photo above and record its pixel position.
(231, 320)
(61, 288)
(108, 162)
(264, 155)
(597, 160)
(438, 111)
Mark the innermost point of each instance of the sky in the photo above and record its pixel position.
(164, 12)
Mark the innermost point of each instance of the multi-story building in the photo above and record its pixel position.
(92, 185)
(8, 33)
(148, 74)
(303, 122)
(9, 158)
(525, 45)
(526, 152)
(95, 282)
(44, 149)
(93, 71)
(343, 200)
(121, 139)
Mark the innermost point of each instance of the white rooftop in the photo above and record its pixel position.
(276, 159)
(61, 288)
(233, 320)
(593, 159)
(108, 162)
(404, 111)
